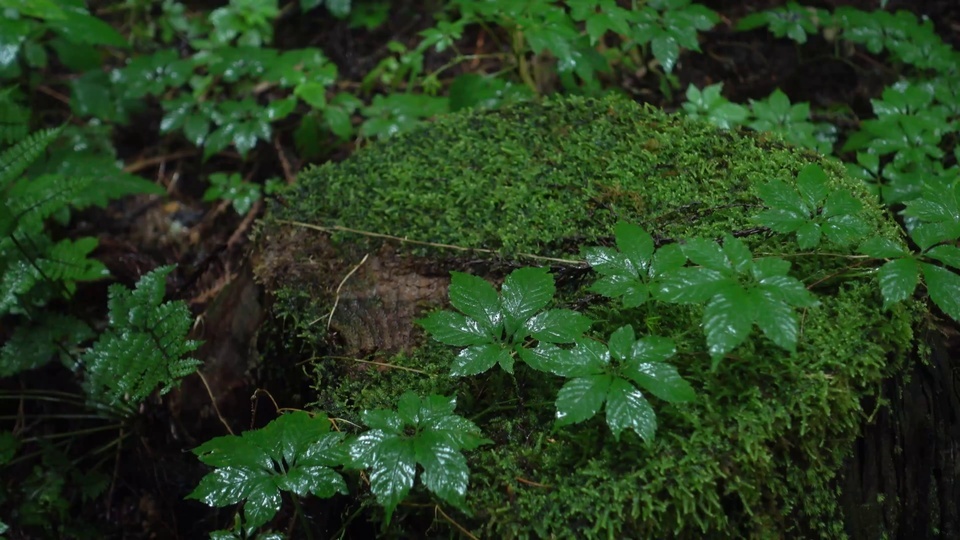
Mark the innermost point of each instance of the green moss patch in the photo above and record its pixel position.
(756, 455)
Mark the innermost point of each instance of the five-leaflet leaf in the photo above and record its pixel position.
(610, 374)
(295, 453)
(493, 326)
(811, 210)
(739, 292)
(421, 431)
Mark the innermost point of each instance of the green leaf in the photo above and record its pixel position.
(781, 220)
(882, 248)
(293, 453)
(628, 409)
(588, 357)
(777, 194)
(581, 398)
(943, 286)
(727, 320)
(667, 259)
(392, 471)
(524, 292)
(666, 50)
(476, 298)
(845, 229)
(635, 243)
(691, 285)
(432, 437)
(812, 183)
(808, 235)
(662, 380)
(480, 358)
(558, 326)
(789, 290)
(767, 267)
(445, 470)
(898, 279)
(707, 253)
(455, 329)
(777, 319)
(621, 342)
(949, 255)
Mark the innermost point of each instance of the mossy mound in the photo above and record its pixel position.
(755, 456)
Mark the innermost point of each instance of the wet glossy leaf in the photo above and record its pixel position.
(432, 437)
(581, 398)
(476, 298)
(455, 329)
(525, 291)
(557, 326)
(727, 320)
(295, 452)
(949, 255)
(628, 409)
(898, 279)
(479, 358)
(943, 286)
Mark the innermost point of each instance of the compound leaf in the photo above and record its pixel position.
(434, 440)
(293, 453)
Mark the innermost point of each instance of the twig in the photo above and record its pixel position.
(332, 228)
(336, 299)
(459, 527)
(213, 400)
(139, 165)
(244, 226)
(382, 364)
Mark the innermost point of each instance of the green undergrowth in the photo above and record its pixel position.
(548, 178)
(758, 452)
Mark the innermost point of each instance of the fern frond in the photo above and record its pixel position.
(16, 159)
(33, 345)
(58, 266)
(34, 201)
(144, 347)
(13, 118)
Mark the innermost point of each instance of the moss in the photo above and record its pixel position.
(756, 456)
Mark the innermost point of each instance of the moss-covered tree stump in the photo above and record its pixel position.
(365, 247)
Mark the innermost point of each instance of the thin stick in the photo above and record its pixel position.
(454, 523)
(382, 364)
(213, 400)
(336, 298)
(333, 228)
